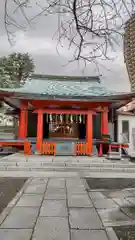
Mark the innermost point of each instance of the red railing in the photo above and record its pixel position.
(26, 145)
(27, 148)
(82, 148)
(48, 148)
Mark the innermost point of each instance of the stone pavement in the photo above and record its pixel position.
(63, 166)
(63, 209)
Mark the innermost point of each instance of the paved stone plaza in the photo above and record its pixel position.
(64, 209)
(57, 204)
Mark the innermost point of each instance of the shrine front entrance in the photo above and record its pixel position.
(67, 131)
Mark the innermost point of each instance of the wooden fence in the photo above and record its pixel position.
(82, 148)
(48, 148)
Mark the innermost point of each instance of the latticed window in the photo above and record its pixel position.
(125, 130)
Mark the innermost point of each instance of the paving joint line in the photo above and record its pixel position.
(103, 227)
(39, 211)
(67, 210)
(86, 186)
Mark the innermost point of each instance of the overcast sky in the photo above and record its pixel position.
(38, 42)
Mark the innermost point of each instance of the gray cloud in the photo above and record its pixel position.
(37, 40)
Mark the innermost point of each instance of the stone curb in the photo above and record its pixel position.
(111, 234)
(56, 169)
(13, 202)
(119, 223)
(86, 186)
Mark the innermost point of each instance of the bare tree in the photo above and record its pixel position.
(91, 27)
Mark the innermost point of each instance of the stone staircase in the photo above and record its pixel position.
(19, 162)
(117, 156)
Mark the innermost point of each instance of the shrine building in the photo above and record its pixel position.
(64, 115)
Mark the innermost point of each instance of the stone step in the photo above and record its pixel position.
(66, 164)
(67, 169)
(58, 165)
(114, 156)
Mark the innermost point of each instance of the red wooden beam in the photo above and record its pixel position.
(46, 103)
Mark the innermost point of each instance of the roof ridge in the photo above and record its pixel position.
(65, 78)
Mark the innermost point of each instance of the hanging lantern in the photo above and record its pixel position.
(57, 119)
(61, 118)
(50, 118)
(71, 118)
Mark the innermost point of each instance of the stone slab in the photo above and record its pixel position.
(118, 194)
(79, 200)
(74, 182)
(36, 189)
(131, 200)
(48, 228)
(55, 193)
(88, 235)
(84, 218)
(129, 211)
(39, 181)
(34, 173)
(111, 234)
(54, 208)
(96, 195)
(21, 217)
(15, 234)
(122, 202)
(56, 183)
(76, 190)
(112, 216)
(104, 203)
(30, 201)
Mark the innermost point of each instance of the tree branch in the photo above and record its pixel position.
(90, 27)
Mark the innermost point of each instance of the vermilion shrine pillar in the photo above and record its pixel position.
(39, 129)
(89, 132)
(23, 121)
(104, 121)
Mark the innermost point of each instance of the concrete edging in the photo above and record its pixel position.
(13, 202)
(111, 234)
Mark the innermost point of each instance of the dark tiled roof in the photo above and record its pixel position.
(64, 86)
